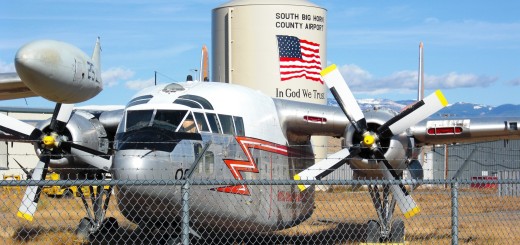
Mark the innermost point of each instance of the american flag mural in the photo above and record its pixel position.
(299, 58)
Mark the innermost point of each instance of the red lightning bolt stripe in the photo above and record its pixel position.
(235, 166)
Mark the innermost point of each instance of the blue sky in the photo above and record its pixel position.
(472, 48)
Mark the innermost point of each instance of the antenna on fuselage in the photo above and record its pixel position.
(420, 89)
(204, 68)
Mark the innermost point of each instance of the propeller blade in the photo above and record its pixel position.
(323, 167)
(404, 200)
(95, 158)
(32, 193)
(29, 175)
(61, 116)
(18, 128)
(346, 100)
(413, 114)
(406, 204)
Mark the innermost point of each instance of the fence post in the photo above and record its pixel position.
(455, 213)
(185, 192)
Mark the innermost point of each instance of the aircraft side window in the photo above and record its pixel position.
(227, 124)
(188, 125)
(201, 122)
(239, 126)
(138, 119)
(197, 149)
(209, 160)
(168, 119)
(213, 123)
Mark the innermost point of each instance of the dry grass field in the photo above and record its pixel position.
(339, 218)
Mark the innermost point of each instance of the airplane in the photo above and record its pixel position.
(221, 131)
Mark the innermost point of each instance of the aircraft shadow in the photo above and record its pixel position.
(342, 233)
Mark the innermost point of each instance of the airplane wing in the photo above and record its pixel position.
(300, 119)
(465, 130)
(12, 87)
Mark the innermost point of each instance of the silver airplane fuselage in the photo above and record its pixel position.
(165, 128)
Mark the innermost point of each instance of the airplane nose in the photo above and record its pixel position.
(36, 60)
(141, 164)
(49, 67)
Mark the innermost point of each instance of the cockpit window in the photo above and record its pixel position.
(184, 121)
(138, 119)
(165, 119)
(168, 119)
(239, 126)
(188, 125)
(213, 123)
(227, 124)
(201, 122)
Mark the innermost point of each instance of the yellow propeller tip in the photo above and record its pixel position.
(412, 212)
(327, 70)
(301, 187)
(442, 99)
(25, 216)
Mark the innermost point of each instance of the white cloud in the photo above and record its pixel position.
(112, 76)
(456, 80)
(362, 81)
(4, 67)
(140, 83)
(514, 82)
(355, 75)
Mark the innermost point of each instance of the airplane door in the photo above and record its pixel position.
(79, 71)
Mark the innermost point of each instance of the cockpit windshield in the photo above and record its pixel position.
(184, 121)
(165, 119)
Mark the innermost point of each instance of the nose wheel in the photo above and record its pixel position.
(385, 229)
(96, 223)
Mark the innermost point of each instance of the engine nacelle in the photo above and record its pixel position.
(398, 149)
(59, 71)
(83, 129)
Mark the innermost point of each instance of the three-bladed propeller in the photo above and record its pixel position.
(49, 142)
(371, 138)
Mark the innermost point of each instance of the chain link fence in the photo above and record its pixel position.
(191, 212)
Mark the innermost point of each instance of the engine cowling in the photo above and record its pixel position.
(398, 149)
(83, 129)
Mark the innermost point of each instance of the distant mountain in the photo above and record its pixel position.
(459, 109)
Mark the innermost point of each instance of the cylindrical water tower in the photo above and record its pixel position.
(274, 46)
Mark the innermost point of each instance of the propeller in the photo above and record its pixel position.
(49, 142)
(371, 139)
(27, 172)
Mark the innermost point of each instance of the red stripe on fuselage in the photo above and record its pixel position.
(249, 165)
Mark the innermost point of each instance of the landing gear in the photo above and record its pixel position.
(95, 223)
(384, 230)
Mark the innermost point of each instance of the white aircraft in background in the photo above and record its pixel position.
(220, 131)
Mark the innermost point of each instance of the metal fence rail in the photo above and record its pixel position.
(467, 212)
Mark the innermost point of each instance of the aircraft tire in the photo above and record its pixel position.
(397, 231)
(83, 229)
(373, 232)
(109, 225)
